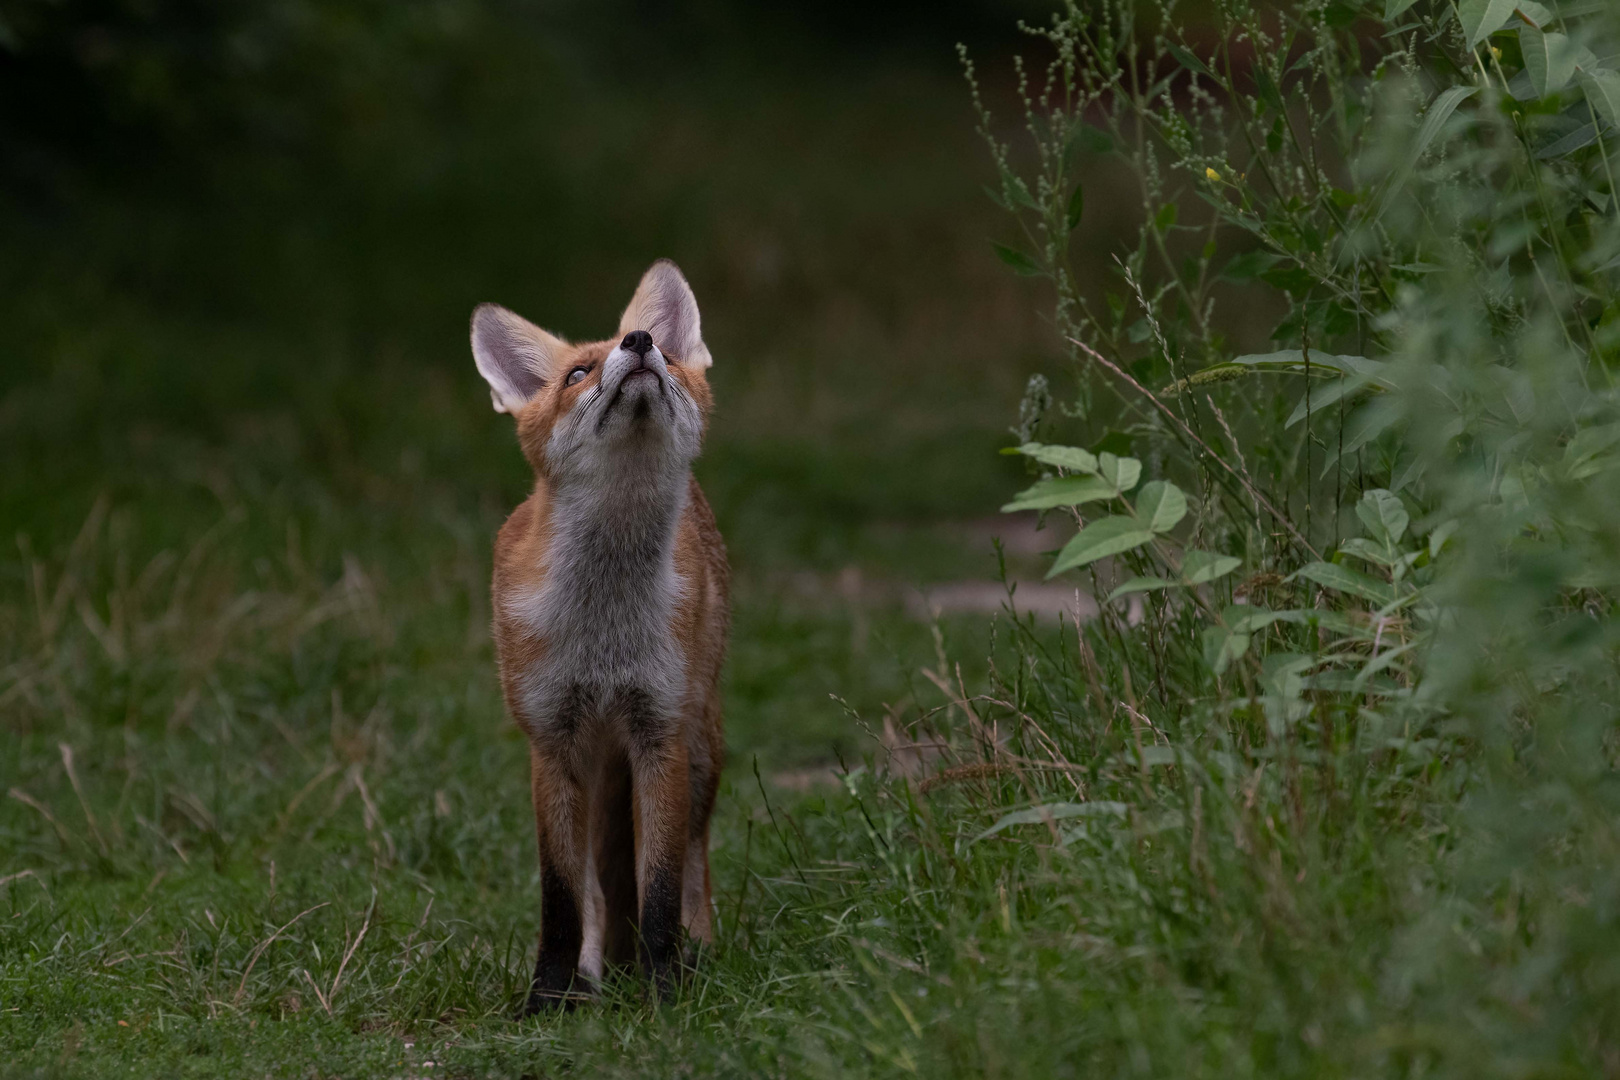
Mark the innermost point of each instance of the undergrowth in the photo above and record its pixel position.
(1354, 684)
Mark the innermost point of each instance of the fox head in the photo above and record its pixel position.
(589, 411)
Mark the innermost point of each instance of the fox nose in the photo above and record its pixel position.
(637, 341)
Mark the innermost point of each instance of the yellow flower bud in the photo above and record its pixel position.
(1213, 175)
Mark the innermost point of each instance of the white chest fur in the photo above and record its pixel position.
(605, 610)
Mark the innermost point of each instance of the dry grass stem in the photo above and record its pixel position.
(258, 950)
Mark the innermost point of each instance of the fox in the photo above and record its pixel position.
(611, 610)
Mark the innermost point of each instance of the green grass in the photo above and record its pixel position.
(295, 840)
(292, 716)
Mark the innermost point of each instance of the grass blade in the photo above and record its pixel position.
(1433, 121)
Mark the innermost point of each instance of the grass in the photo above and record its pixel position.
(282, 829)
(268, 817)
(271, 820)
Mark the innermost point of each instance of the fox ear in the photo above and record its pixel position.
(665, 307)
(513, 355)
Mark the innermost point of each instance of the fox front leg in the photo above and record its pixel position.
(560, 826)
(662, 799)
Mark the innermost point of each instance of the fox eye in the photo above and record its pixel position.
(576, 375)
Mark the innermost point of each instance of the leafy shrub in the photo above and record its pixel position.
(1352, 692)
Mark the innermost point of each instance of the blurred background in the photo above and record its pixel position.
(241, 242)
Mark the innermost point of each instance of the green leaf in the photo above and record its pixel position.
(1365, 424)
(1198, 567)
(1122, 472)
(1223, 645)
(1187, 59)
(1362, 548)
(1441, 533)
(1266, 88)
(1433, 120)
(1602, 88)
(1021, 263)
(1323, 365)
(1249, 265)
(1246, 618)
(1380, 662)
(1549, 60)
(1345, 580)
(1482, 18)
(1061, 457)
(1588, 453)
(1160, 505)
(1318, 400)
(1393, 9)
(1165, 218)
(1533, 13)
(1519, 88)
(1282, 673)
(1411, 471)
(1020, 193)
(1581, 137)
(1296, 281)
(1140, 584)
(1077, 206)
(1384, 515)
(1085, 138)
(1587, 60)
(1325, 619)
(1062, 491)
(1100, 539)
(1055, 812)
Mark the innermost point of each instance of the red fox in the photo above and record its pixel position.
(611, 610)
